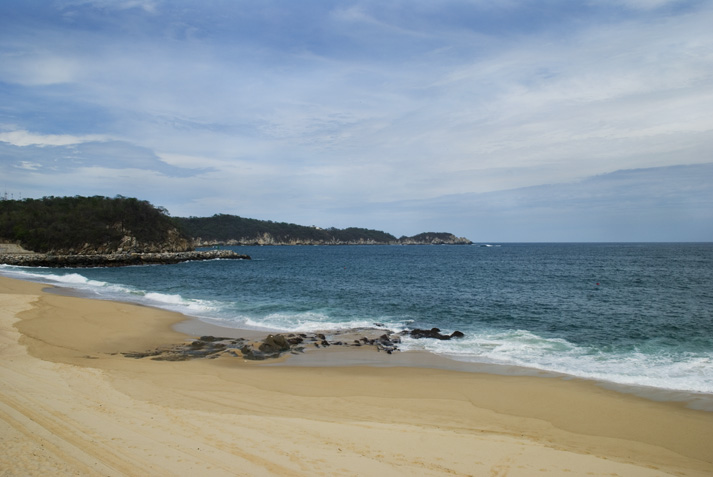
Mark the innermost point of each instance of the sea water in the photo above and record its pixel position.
(631, 314)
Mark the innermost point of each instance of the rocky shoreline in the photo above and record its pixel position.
(275, 345)
(115, 259)
(268, 240)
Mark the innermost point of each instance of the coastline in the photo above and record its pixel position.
(337, 356)
(72, 403)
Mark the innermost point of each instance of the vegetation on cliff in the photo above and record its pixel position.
(223, 228)
(83, 225)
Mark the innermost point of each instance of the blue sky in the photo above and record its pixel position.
(512, 120)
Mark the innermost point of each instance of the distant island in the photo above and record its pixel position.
(121, 226)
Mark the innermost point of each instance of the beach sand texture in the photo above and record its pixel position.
(71, 404)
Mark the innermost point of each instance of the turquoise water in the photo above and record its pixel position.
(634, 314)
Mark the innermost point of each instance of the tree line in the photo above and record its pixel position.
(224, 227)
(70, 223)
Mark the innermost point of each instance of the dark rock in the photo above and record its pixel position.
(434, 333)
(210, 339)
(384, 343)
(274, 344)
(251, 353)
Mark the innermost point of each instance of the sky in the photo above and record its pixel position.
(508, 120)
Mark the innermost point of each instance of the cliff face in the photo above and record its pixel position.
(268, 239)
(434, 238)
(172, 241)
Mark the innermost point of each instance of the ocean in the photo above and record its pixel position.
(626, 314)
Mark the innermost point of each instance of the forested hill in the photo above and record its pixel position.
(102, 225)
(234, 230)
(89, 225)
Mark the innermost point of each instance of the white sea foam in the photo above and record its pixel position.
(73, 280)
(177, 302)
(311, 322)
(110, 291)
(687, 372)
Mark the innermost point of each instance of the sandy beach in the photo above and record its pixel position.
(72, 404)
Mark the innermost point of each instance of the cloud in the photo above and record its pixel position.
(644, 5)
(279, 108)
(673, 203)
(22, 138)
(64, 154)
(148, 6)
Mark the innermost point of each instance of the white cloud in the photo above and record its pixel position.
(22, 138)
(30, 166)
(639, 4)
(39, 69)
(149, 6)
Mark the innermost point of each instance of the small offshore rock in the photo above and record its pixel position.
(434, 333)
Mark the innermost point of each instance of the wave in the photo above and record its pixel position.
(73, 280)
(111, 291)
(176, 302)
(309, 322)
(665, 369)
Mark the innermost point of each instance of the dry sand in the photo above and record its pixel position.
(71, 404)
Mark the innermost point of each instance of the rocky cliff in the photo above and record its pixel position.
(171, 241)
(268, 239)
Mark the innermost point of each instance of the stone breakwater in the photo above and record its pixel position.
(115, 259)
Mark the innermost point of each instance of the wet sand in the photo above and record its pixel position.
(72, 404)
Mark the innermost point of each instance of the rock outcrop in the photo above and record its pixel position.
(434, 238)
(275, 345)
(268, 239)
(434, 333)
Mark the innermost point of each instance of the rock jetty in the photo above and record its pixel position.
(115, 259)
